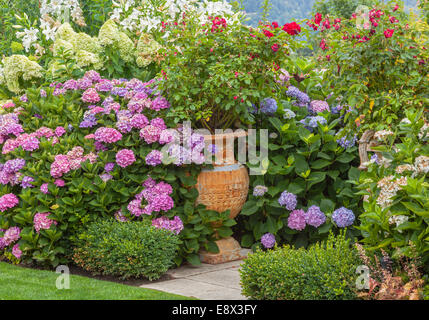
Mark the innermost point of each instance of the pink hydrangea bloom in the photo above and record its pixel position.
(16, 251)
(59, 183)
(296, 220)
(41, 221)
(59, 131)
(139, 121)
(44, 132)
(175, 225)
(8, 105)
(107, 135)
(8, 201)
(44, 188)
(90, 96)
(11, 235)
(154, 158)
(319, 106)
(60, 166)
(125, 157)
(150, 134)
(158, 122)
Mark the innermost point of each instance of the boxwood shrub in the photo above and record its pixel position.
(325, 271)
(125, 249)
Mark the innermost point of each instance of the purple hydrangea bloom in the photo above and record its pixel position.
(12, 166)
(119, 91)
(346, 142)
(71, 85)
(160, 103)
(24, 98)
(154, 158)
(315, 217)
(268, 240)
(175, 225)
(89, 121)
(303, 98)
(343, 217)
(259, 191)
(26, 182)
(288, 200)
(269, 106)
(109, 166)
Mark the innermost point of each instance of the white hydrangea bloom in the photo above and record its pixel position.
(19, 67)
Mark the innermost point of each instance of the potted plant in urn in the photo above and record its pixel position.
(217, 74)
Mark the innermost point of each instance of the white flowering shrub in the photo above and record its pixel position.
(397, 190)
(151, 15)
(17, 70)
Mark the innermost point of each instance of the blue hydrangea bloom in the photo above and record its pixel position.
(269, 106)
(288, 200)
(343, 217)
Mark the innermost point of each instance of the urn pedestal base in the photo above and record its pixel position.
(229, 250)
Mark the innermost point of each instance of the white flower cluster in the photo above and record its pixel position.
(18, 67)
(29, 37)
(389, 186)
(84, 49)
(148, 17)
(382, 134)
(422, 164)
(424, 131)
(398, 220)
(62, 10)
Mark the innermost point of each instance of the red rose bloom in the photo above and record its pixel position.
(318, 18)
(395, 8)
(389, 33)
(275, 47)
(275, 25)
(268, 33)
(292, 28)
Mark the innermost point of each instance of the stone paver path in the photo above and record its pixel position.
(205, 282)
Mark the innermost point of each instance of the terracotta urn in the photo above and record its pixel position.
(224, 187)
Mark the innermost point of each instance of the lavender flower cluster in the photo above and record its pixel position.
(303, 100)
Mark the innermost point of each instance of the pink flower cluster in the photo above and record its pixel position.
(155, 195)
(64, 163)
(8, 201)
(90, 96)
(175, 225)
(125, 158)
(11, 235)
(41, 221)
(9, 124)
(107, 135)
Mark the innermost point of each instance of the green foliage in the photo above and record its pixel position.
(125, 249)
(311, 165)
(326, 271)
(378, 75)
(394, 218)
(214, 77)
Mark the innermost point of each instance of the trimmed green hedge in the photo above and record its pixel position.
(326, 271)
(126, 249)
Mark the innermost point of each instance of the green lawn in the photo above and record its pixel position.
(17, 283)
